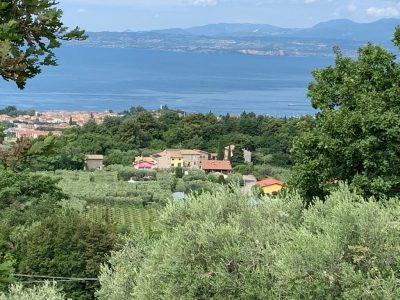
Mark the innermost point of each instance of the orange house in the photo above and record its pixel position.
(271, 185)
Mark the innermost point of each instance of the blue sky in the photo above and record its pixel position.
(119, 15)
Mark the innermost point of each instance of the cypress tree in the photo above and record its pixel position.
(221, 151)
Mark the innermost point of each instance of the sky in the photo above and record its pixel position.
(137, 15)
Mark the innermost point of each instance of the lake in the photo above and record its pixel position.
(98, 79)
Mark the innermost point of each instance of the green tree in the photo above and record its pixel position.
(6, 268)
(178, 172)
(118, 277)
(46, 291)
(30, 31)
(69, 246)
(2, 134)
(356, 136)
(221, 179)
(221, 151)
(20, 189)
(118, 157)
(223, 246)
(237, 155)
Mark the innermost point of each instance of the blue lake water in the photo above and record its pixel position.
(98, 79)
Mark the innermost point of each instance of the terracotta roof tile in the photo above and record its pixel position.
(270, 181)
(218, 165)
(141, 159)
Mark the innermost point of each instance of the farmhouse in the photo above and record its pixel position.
(193, 158)
(271, 185)
(94, 162)
(220, 166)
(144, 163)
(185, 158)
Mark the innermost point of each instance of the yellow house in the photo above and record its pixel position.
(271, 185)
(176, 159)
(176, 162)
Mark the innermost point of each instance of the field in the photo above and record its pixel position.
(129, 218)
(102, 197)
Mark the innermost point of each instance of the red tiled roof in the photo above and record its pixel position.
(217, 165)
(173, 153)
(141, 159)
(270, 181)
(192, 152)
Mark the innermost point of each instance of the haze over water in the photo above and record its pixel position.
(98, 79)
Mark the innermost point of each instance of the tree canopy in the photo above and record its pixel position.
(357, 133)
(222, 246)
(30, 30)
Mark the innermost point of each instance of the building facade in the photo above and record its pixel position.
(94, 162)
(184, 158)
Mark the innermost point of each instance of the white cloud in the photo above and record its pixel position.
(81, 10)
(383, 11)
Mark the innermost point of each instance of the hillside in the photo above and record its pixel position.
(254, 39)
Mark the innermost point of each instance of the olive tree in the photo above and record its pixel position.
(46, 291)
(225, 245)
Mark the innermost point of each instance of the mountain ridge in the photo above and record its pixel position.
(379, 30)
(254, 39)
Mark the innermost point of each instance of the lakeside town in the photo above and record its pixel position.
(164, 204)
(32, 125)
(38, 124)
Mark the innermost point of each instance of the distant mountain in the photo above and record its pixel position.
(378, 31)
(230, 29)
(237, 30)
(254, 39)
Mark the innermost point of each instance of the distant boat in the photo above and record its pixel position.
(298, 104)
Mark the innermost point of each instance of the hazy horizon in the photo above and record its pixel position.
(233, 23)
(139, 15)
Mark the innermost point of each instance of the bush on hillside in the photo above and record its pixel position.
(222, 246)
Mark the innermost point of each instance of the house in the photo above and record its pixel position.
(168, 159)
(185, 158)
(162, 160)
(144, 163)
(193, 159)
(271, 185)
(220, 166)
(246, 153)
(31, 134)
(94, 162)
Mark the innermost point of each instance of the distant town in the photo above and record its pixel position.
(34, 124)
